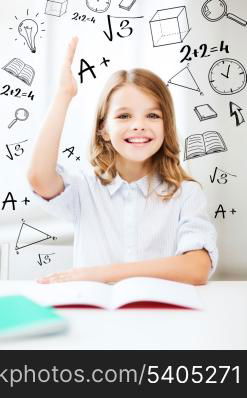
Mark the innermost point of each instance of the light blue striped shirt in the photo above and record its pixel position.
(122, 222)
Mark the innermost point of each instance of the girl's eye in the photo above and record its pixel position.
(153, 116)
(123, 116)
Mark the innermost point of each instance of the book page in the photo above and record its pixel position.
(66, 293)
(154, 289)
(194, 146)
(27, 74)
(213, 142)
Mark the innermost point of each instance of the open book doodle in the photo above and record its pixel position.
(135, 290)
(203, 144)
(19, 69)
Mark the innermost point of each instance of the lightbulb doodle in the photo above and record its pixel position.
(28, 29)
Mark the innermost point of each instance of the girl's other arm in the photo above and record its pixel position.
(42, 173)
(192, 267)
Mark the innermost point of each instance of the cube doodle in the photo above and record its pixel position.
(56, 7)
(169, 26)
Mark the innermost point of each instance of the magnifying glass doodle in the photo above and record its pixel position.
(20, 114)
(214, 10)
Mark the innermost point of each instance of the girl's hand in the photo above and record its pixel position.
(68, 84)
(74, 274)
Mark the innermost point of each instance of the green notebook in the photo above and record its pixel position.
(20, 316)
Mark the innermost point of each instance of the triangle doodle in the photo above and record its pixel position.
(184, 78)
(24, 240)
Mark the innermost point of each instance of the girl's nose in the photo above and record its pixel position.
(138, 128)
(138, 125)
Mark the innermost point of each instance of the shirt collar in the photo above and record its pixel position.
(142, 184)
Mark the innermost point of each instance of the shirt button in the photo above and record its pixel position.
(125, 193)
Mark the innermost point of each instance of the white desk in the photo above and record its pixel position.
(221, 325)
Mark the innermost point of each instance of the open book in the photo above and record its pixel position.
(19, 69)
(203, 144)
(108, 296)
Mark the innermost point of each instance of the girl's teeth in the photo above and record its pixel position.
(138, 141)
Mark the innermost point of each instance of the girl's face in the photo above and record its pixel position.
(134, 116)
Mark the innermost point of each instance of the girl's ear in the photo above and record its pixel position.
(104, 134)
(105, 137)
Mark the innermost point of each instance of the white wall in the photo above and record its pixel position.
(134, 51)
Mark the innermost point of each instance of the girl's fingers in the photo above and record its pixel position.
(71, 50)
(57, 277)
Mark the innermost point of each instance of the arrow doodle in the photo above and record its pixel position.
(235, 110)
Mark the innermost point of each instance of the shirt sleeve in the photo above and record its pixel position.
(66, 205)
(195, 231)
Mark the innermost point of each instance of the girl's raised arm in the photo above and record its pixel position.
(42, 170)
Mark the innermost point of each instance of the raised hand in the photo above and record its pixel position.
(68, 84)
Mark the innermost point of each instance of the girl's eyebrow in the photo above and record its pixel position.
(125, 108)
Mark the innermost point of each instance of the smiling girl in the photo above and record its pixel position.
(138, 213)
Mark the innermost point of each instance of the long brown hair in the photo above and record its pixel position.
(165, 161)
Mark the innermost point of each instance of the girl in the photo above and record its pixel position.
(138, 213)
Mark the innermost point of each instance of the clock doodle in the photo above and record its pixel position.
(98, 5)
(227, 76)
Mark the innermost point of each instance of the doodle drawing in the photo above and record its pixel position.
(20, 114)
(56, 7)
(23, 239)
(205, 112)
(185, 79)
(169, 26)
(98, 5)
(127, 4)
(203, 144)
(227, 76)
(214, 10)
(29, 29)
(235, 110)
(19, 69)
(223, 176)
